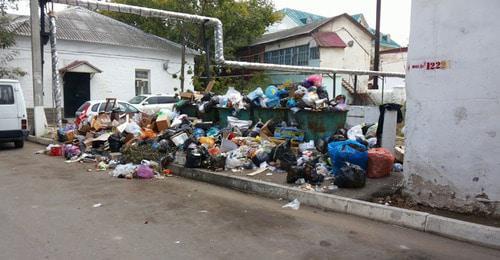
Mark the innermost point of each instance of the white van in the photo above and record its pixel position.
(13, 116)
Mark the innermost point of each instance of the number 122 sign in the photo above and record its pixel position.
(431, 65)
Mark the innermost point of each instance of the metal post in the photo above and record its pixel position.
(36, 55)
(334, 85)
(383, 85)
(376, 59)
(206, 44)
(183, 57)
(56, 82)
(355, 84)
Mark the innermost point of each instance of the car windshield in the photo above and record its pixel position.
(137, 99)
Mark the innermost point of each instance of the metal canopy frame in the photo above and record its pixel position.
(219, 44)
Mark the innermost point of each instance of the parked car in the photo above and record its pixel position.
(13, 116)
(151, 104)
(94, 107)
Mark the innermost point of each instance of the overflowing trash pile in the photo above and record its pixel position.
(143, 146)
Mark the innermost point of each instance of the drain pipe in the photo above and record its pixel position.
(219, 45)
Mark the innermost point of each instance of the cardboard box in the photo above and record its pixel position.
(162, 122)
(186, 95)
(70, 135)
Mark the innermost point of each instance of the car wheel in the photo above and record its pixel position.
(19, 144)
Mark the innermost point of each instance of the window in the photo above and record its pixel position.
(168, 100)
(94, 107)
(152, 100)
(6, 95)
(289, 56)
(137, 99)
(314, 53)
(127, 108)
(141, 82)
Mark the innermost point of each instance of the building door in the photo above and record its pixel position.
(76, 92)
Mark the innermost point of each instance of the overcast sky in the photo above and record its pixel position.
(395, 13)
(395, 18)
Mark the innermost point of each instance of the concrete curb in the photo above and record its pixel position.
(39, 140)
(451, 228)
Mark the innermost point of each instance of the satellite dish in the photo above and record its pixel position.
(350, 43)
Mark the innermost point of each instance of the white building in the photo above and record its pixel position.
(452, 157)
(100, 57)
(343, 42)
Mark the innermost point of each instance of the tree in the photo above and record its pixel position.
(7, 40)
(243, 21)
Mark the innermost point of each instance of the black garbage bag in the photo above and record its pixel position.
(350, 176)
(115, 143)
(322, 93)
(294, 173)
(166, 160)
(310, 174)
(194, 158)
(217, 162)
(284, 154)
(321, 145)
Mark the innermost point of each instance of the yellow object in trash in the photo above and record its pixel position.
(207, 140)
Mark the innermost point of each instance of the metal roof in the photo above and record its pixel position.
(301, 17)
(329, 40)
(305, 29)
(80, 24)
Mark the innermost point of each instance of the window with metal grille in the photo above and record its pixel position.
(314, 53)
(288, 56)
(142, 82)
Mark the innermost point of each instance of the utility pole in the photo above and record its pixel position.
(183, 57)
(206, 45)
(36, 56)
(376, 59)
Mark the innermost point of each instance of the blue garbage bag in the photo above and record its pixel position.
(271, 91)
(349, 151)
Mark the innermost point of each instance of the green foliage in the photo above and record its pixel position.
(243, 22)
(7, 40)
(242, 84)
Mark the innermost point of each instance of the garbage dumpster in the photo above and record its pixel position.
(224, 112)
(319, 124)
(264, 114)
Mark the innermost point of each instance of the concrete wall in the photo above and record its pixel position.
(117, 63)
(332, 57)
(452, 155)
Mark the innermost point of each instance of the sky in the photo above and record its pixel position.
(395, 17)
(395, 14)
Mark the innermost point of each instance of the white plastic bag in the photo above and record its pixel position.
(241, 124)
(355, 132)
(133, 128)
(294, 204)
(307, 146)
(123, 170)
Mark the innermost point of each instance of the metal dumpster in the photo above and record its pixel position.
(264, 114)
(319, 124)
(189, 109)
(224, 112)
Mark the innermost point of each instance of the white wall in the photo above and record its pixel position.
(117, 63)
(358, 56)
(285, 23)
(332, 57)
(453, 129)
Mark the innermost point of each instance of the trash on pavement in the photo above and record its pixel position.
(294, 204)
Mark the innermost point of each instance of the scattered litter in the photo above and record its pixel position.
(97, 205)
(203, 211)
(294, 204)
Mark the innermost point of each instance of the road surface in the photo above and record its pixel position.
(47, 212)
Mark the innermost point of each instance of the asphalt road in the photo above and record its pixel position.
(46, 212)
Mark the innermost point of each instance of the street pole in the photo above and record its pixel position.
(36, 56)
(183, 57)
(376, 59)
(206, 45)
(56, 81)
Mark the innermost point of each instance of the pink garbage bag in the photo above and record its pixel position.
(144, 172)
